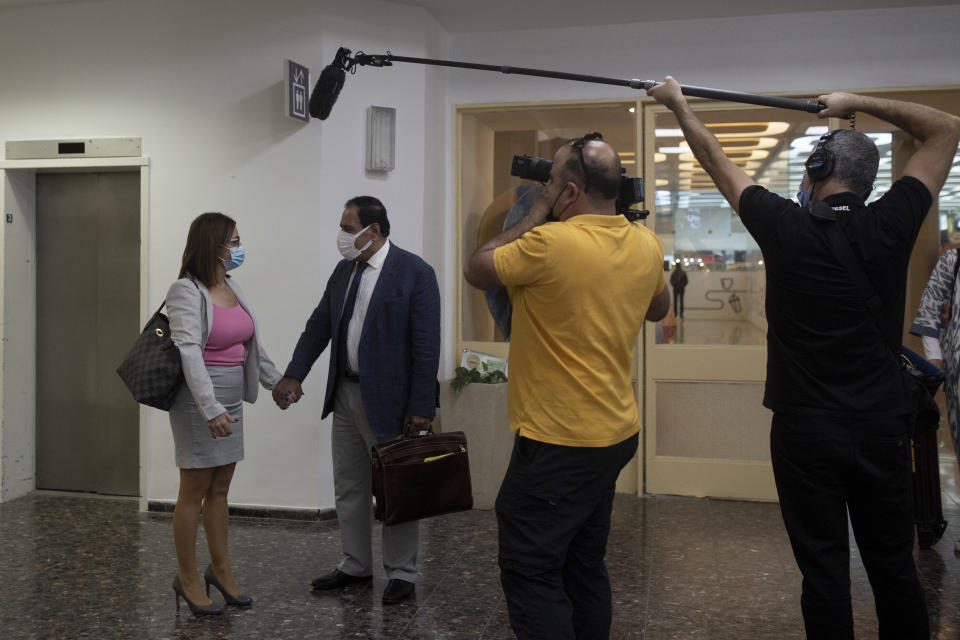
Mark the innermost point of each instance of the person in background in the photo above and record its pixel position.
(213, 327)
(678, 280)
(839, 439)
(938, 324)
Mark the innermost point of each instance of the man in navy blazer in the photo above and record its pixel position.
(380, 313)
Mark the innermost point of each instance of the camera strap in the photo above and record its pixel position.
(825, 214)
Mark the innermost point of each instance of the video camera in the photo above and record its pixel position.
(631, 189)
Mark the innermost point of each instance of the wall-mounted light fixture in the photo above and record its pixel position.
(381, 138)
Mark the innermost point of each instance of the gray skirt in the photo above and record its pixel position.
(194, 447)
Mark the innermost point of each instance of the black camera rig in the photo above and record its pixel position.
(631, 189)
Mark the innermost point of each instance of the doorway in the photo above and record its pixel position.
(88, 293)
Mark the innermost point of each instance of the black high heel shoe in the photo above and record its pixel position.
(212, 609)
(237, 601)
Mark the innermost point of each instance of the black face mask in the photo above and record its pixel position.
(550, 216)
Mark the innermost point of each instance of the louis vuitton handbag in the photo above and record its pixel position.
(420, 477)
(152, 369)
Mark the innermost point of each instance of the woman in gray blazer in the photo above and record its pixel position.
(215, 331)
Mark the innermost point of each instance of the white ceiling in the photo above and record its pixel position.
(464, 16)
(459, 16)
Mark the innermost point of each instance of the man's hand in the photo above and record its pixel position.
(540, 208)
(839, 104)
(220, 426)
(412, 424)
(287, 391)
(730, 178)
(668, 94)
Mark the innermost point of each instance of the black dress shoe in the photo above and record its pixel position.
(337, 579)
(397, 591)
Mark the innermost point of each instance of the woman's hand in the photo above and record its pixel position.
(220, 426)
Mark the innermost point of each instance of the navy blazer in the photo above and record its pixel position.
(399, 353)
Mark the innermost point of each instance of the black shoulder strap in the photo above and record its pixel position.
(956, 265)
(844, 252)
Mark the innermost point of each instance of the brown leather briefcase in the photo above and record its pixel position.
(420, 477)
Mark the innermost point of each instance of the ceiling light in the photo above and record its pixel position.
(739, 129)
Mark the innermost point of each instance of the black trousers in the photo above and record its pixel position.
(825, 468)
(553, 512)
(678, 302)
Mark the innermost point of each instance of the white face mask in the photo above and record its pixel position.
(345, 243)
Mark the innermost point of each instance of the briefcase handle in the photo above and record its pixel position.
(419, 434)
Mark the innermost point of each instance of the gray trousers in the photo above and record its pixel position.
(351, 442)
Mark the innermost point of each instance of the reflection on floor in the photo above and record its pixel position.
(950, 481)
(680, 568)
(692, 331)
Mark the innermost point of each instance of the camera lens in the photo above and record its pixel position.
(531, 168)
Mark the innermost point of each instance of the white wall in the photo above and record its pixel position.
(200, 83)
(439, 231)
(18, 401)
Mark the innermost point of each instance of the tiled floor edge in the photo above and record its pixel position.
(247, 511)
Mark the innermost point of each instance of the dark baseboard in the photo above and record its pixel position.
(284, 513)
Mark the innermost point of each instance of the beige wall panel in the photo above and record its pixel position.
(712, 420)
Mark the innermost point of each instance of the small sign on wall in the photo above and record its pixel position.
(296, 87)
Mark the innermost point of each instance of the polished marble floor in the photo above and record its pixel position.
(77, 567)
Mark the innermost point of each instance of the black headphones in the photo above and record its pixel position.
(821, 160)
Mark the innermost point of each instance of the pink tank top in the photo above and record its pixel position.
(232, 326)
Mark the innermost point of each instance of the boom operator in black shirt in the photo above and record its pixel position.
(839, 440)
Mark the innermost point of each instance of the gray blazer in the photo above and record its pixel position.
(190, 310)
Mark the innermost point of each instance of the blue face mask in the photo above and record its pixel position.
(237, 255)
(803, 197)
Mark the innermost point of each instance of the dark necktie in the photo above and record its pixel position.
(348, 307)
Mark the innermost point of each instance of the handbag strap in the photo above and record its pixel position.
(821, 211)
(162, 304)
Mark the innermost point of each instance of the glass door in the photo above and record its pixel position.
(708, 433)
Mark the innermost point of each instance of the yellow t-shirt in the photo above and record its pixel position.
(581, 291)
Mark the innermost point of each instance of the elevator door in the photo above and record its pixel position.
(88, 264)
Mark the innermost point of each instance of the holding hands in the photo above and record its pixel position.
(287, 392)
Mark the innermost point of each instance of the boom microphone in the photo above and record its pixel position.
(327, 89)
(331, 80)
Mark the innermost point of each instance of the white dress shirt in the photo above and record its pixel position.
(368, 281)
